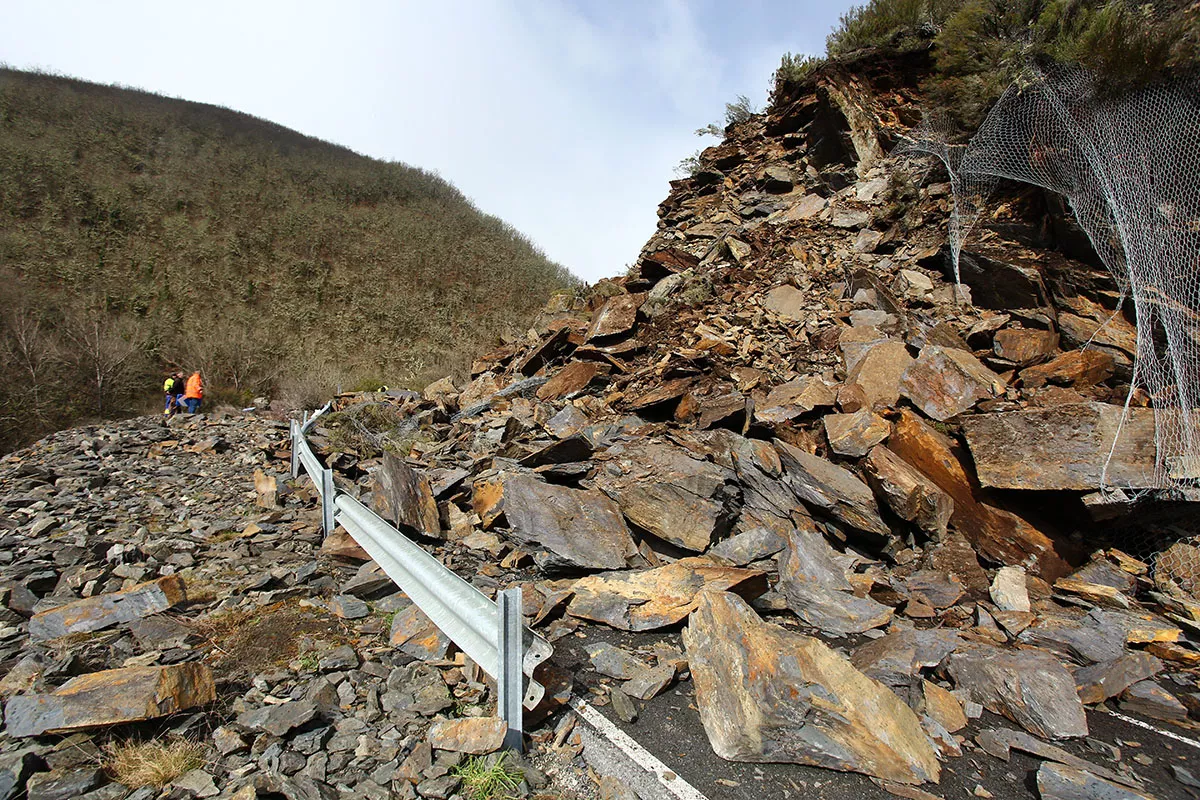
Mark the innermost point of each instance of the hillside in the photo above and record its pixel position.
(138, 231)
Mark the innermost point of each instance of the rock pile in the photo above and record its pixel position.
(786, 414)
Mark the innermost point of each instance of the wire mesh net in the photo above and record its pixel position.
(1128, 165)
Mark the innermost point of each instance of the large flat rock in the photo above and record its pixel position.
(769, 695)
(655, 598)
(832, 489)
(106, 610)
(944, 382)
(576, 528)
(1066, 447)
(687, 501)
(110, 698)
(817, 589)
(1029, 687)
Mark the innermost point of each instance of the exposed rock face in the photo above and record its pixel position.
(686, 501)
(576, 528)
(769, 695)
(1030, 688)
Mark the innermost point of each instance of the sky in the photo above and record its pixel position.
(565, 119)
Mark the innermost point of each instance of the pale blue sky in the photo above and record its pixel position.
(565, 119)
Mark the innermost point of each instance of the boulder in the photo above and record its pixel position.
(111, 697)
(1027, 686)
(1098, 682)
(656, 598)
(661, 488)
(1149, 699)
(790, 400)
(831, 489)
(1060, 782)
(402, 496)
(579, 529)
(817, 589)
(909, 494)
(1023, 346)
(875, 379)
(855, 434)
(769, 695)
(106, 610)
(998, 535)
(944, 382)
(1076, 368)
(572, 378)
(1065, 447)
(617, 316)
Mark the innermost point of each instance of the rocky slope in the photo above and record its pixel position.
(784, 471)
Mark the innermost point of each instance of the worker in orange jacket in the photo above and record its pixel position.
(193, 393)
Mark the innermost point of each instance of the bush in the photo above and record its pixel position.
(888, 23)
(739, 111)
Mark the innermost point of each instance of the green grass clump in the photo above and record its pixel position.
(489, 777)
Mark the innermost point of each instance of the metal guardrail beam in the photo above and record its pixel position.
(491, 633)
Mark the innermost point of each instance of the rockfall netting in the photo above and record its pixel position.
(1128, 164)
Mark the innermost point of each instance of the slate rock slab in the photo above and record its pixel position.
(1098, 682)
(656, 598)
(1027, 686)
(832, 489)
(1060, 782)
(473, 735)
(110, 698)
(817, 589)
(403, 496)
(577, 528)
(106, 610)
(769, 695)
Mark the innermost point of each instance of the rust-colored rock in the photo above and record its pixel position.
(110, 698)
(944, 382)
(617, 316)
(1023, 346)
(1076, 368)
(875, 380)
(769, 695)
(341, 544)
(655, 598)
(572, 378)
(998, 535)
(790, 400)
(106, 610)
(908, 493)
(473, 735)
(855, 434)
(1067, 447)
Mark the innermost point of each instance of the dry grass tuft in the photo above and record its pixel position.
(154, 763)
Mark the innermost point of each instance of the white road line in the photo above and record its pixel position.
(669, 779)
(1150, 727)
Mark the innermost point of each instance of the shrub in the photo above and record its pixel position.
(154, 763)
(739, 111)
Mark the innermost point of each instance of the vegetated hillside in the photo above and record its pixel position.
(138, 231)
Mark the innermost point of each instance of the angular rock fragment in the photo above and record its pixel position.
(280, 719)
(788, 302)
(474, 735)
(752, 545)
(403, 496)
(655, 598)
(577, 528)
(1025, 347)
(908, 493)
(1065, 447)
(945, 382)
(874, 380)
(790, 400)
(999, 536)
(1060, 782)
(896, 659)
(1009, 590)
(769, 695)
(106, 610)
(572, 378)
(1077, 368)
(661, 488)
(618, 316)
(1029, 687)
(817, 590)
(415, 634)
(1151, 700)
(110, 698)
(855, 434)
(831, 489)
(1098, 682)
(648, 683)
(610, 660)
(942, 706)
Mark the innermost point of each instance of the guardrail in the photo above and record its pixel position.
(490, 632)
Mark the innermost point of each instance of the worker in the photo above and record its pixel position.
(193, 393)
(173, 388)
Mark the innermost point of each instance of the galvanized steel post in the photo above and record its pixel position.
(327, 498)
(510, 678)
(294, 427)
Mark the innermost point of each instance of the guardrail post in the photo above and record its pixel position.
(510, 682)
(293, 426)
(327, 506)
